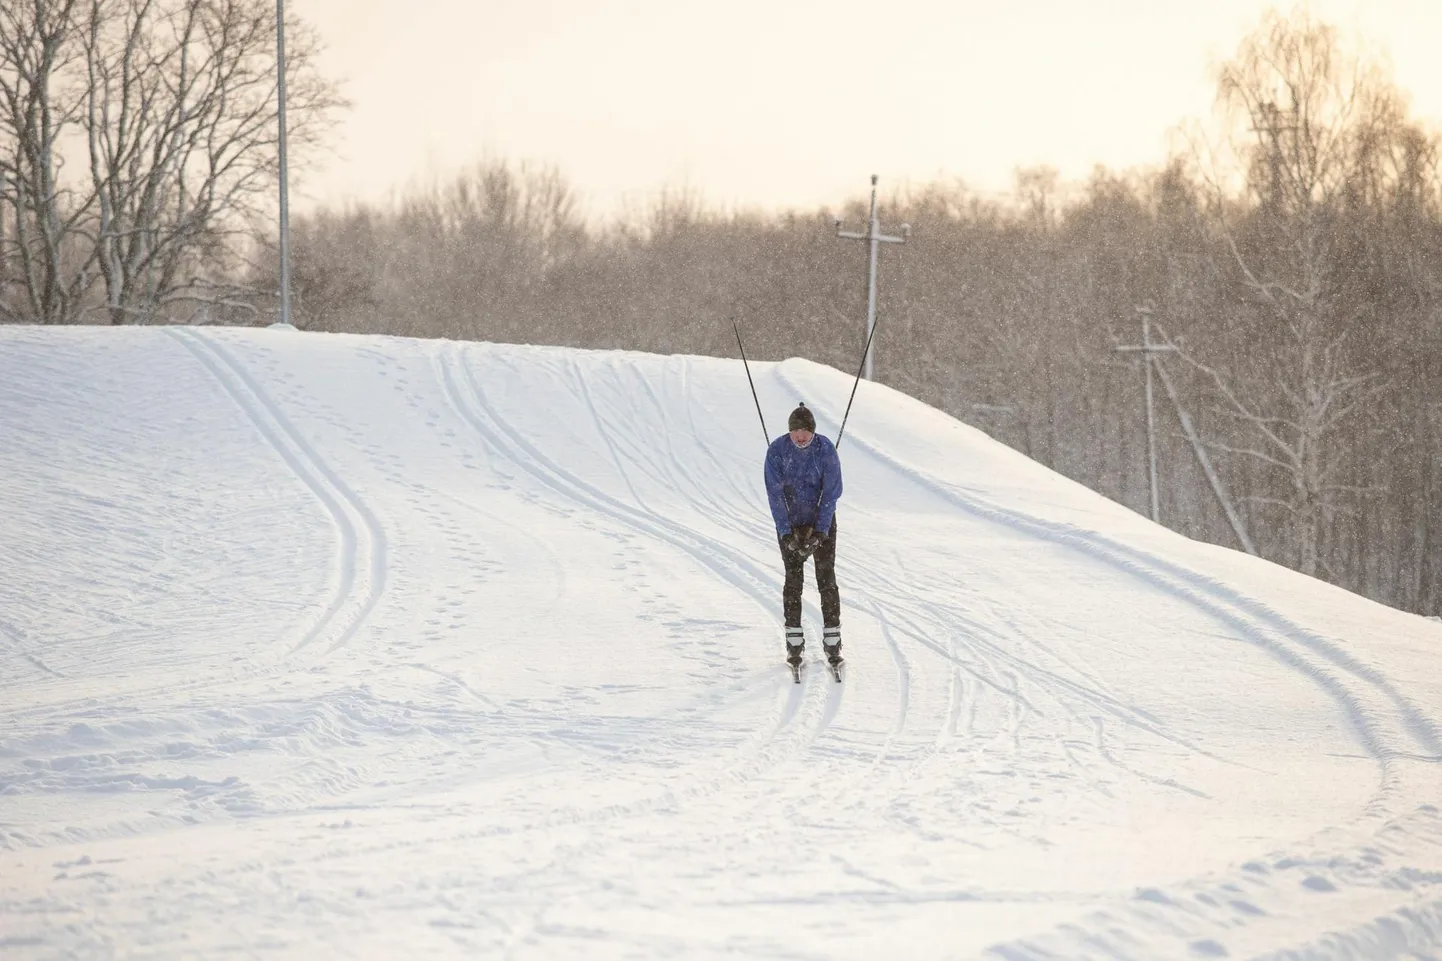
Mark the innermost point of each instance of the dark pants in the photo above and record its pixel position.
(825, 582)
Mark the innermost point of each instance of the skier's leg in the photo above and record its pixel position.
(791, 606)
(830, 596)
(826, 579)
(791, 590)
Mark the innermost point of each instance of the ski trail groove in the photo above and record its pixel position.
(558, 570)
(584, 392)
(14, 640)
(681, 479)
(742, 495)
(361, 554)
(903, 680)
(783, 736)
(1300, 649)
(735, 568)
(1054, 684)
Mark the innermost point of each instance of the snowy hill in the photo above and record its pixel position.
(333, 646)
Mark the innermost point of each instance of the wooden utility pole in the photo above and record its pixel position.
(876, 238)
(1201, 451)
(1146, 348)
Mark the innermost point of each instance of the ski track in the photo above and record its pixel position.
(14, 638)
(734, 517)
(1006, 683)
(471, 405)
(739, 496)
(738, 570)
(1253, 620)
(361, 559)
(1254, 896)
(859, 604)
(976, 710)
(946, 620)
(901, 601)
(115, 751)
(131, 690)
(903, 686)
(1400, 730)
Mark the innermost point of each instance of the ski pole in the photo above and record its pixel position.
(764, 432)
(856, 383)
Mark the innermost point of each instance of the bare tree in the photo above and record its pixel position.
(1299, 113)
(171, 105)
(39, 52)
(479, 256)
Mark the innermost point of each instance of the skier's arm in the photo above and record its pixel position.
(830, 491)
(775, 494)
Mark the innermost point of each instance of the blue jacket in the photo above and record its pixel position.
(803, 484)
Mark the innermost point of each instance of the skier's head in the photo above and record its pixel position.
(802, 426)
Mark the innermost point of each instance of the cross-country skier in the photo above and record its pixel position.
(803, 482)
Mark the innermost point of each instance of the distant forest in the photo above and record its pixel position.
(1290, 252)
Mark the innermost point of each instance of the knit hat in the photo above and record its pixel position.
(801, 419)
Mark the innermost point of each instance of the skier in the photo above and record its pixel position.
(803, 483)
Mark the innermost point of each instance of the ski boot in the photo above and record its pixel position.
(795, 646)
(831, 644)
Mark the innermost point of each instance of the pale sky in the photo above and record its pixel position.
(790, 103)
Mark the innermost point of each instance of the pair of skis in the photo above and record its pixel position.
(832, 667)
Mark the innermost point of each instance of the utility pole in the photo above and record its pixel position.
(1147, 349)
(284, 172)
(1273, 127)
(876, 238)
(1238, 527)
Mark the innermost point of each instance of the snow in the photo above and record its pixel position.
(341, 646)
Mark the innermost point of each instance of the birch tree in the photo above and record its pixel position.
(1300, 116)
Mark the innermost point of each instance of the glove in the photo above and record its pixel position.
(813, 541)
(795, 542)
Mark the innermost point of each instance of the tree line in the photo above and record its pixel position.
(1290, 252)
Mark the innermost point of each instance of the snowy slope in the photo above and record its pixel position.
(332, 646)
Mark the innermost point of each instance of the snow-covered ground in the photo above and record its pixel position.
(332, 646)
